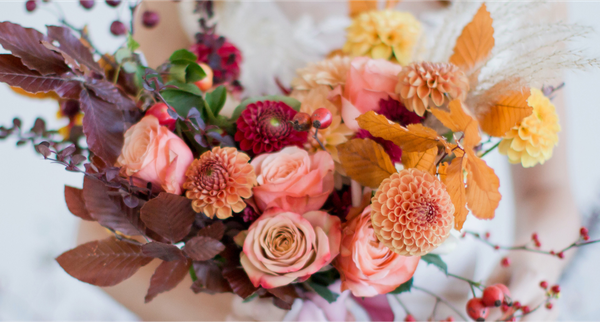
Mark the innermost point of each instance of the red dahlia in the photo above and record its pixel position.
(266, 126)
(221, 55)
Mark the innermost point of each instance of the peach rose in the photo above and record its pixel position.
(368, 81)
(368, 267)
(293, 180)
(153, 153)
(285, 247)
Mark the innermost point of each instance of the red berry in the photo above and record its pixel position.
(504, 308)
(496, 247)
(321, 118)
(534, 236)
(150, 18)
(118, 28)
(30, 5)
(88, 4)
(449, 319)
(552, 252)
(160, 111)
(113, 3)
(505, 262)
(538, 244)
(492, 296)
(525, 309)
(549, 306)
(463, 235)
(561, 255)
(583, 231)
(544, 284)
(409, 318)
(555, 289)
(505, 292)
(476, 310)
(301, 122)
(512, 319)
(586, 237)
(517, 305)
(487, 235)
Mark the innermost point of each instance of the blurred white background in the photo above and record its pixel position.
(35, 225)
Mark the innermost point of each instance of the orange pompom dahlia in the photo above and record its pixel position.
(412, 213)
(218, 180)
(423, 84)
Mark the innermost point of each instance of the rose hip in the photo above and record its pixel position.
(492, 296)
(477, 310)
(321, 118)
(160, 111)
(301, 122)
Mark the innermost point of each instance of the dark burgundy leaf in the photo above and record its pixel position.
(43, 149)
(287, 294)
(166, 277)
(166, 252)
(104, 262)
(214, 231)
(210, 280)
(202, 248)
(78, 158)
(103, 126)
(239, 281)
(105, 90)
(169, 215)
(68, 151)
(112, 173)
(281, 304)
(108, 208)
(131, 201)
(39, 126)
(72, 46)
(70, 89)
(75, 203)
(67, 59)
(25, 43)
(14, 73)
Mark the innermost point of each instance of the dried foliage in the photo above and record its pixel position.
(169, 215)
(421, 160)
(167, 276)
(365, 161)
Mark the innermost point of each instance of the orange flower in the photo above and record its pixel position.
(412, 213)
(218, 180)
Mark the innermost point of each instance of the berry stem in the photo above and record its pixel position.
(471, 283)
(317, 138)
(464, 318)
(397, 297)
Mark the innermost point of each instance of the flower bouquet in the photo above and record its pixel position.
(356, 172)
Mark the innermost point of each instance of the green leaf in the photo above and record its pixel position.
(183, 56)
(194, 73)
(178, 72)
(216, 99)
(122, 54)
(435, 260)
(193, 274)
(131, 43)
(323, 291)
(404, 287)
(190, 88)
(291, 102)
(182, 100)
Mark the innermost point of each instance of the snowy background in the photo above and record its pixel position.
(35, 225)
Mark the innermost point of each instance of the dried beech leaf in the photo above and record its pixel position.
(104, 262)
(73, 47)
(458, 120)
(169, 215)
(365, 161)
(476, 41)
(215, 231)
(413, 138)
(357, 7)
(202, 248)
(166, 277)
(25, 43)
(239, 281)
(454, 180)
(424, 161)
(483, 196)
(510, 110)
(14, 73)
(210, 279)
(76, 204)
(166, 252)
(287, 293)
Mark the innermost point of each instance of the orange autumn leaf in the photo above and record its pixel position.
(357, 7)
(458, 120)
(476, 41)
(510, 110)
(413, 138)
(365, 161)
(483, 184)
(421, 160)
(453, 178)
(39, 95)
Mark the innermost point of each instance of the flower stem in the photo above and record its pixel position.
(490, 149)
(317, 138)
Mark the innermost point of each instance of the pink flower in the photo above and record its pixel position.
(293, 180)
(153, 153)
(285, 247)
(368, 82)
(368, 267)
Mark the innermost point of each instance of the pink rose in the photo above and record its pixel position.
(368, 267)
(285, 247)
(293, 180)
(368, 81)
(153, 153)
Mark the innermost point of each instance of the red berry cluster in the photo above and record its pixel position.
(493, 296)
(320, 119)
(583, 232)
(536, 240)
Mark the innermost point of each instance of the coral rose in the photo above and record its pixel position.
(153, 153)
(412, 213)
(284, 247)
(368, 81)
(368, 267)
(293, 180)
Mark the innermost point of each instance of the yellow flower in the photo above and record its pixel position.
(531, 142)
(385, 34)
(336, 133)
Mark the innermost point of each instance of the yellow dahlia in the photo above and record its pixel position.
(386, 34)
(412, 213)
(531, 142)
(331, 71)
(336, 133)
(218, 180)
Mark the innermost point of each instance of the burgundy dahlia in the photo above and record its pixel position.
(265, 126)
(221, 55)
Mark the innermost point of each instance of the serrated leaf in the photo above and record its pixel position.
(216, 99)
(453, 178)
(483, 196)
(166, 252)
(104, 262)
(166, 277)
(169, 215)
(240, 282)
(404, 287)
(210, 278)
(183, 56)
(458, 120)
(424, 161)
(76, 204)
(182, 100)
(505, 114)
(202, 248)
(413, 138)
(435, 260)
(215, 231)
(14, 73)
(72, 46)
(476, 41)
(365, 161)
(291, 102)
(323, 291)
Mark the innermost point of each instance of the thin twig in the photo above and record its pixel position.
(396, 296)
(464, 318)
(490, 149)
